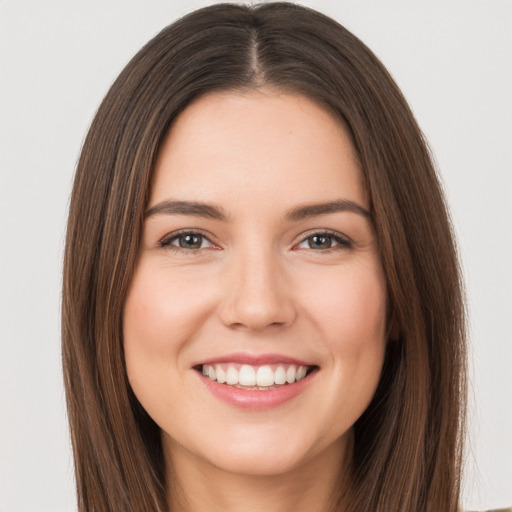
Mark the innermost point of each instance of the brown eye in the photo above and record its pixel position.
(189, 241)
(320, 242)
(325, 241)
(186, 241)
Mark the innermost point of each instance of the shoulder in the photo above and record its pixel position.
(495, 510)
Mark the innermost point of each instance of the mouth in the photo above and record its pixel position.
(263, 377)
(256, 382)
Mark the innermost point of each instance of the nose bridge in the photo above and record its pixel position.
(258, 293)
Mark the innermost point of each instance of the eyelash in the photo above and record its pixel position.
(342, 242)
(166, 242)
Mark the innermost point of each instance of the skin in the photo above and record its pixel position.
(255, 284)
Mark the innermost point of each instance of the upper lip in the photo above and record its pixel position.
(253, 359)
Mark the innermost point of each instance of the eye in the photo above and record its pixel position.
(186, 241)
(324, 241)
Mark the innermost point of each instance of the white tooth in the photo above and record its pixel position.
(301, 373)
(211, 373)
(280, 375)
(221, 374)
(247, 376)
(290, 374)
(205, 369)
(264, 376)
(232, 376)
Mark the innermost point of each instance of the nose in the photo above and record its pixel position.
(258, 294)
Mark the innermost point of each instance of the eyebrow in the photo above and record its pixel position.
(195, 208)
(212, 211)
(313, 210)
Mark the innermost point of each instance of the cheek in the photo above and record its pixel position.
(147, 317)
(153, 326)
(350, 318)
(144, 348)
(162, 309)
(350, 308)
(165, 310)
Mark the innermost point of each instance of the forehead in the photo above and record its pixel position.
(259, 144)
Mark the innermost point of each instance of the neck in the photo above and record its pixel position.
(195, 485)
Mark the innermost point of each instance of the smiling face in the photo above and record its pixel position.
(258, 264)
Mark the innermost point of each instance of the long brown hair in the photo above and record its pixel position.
(408, 443)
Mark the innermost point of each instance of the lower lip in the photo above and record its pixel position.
(257, 400)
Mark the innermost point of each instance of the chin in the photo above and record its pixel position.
(270, 451)
(262, 462)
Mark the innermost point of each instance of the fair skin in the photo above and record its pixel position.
(255, 277)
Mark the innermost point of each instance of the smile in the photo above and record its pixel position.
(255, 382)
(260, 378)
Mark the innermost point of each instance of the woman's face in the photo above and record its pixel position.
(258, 264)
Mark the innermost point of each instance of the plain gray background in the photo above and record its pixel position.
(453, 61)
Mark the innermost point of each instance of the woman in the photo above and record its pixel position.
(262, 304)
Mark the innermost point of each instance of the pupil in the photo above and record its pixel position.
(190, 241)
(320, 242)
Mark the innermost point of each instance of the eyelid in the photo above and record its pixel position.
(343, 241)
(165, 241)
